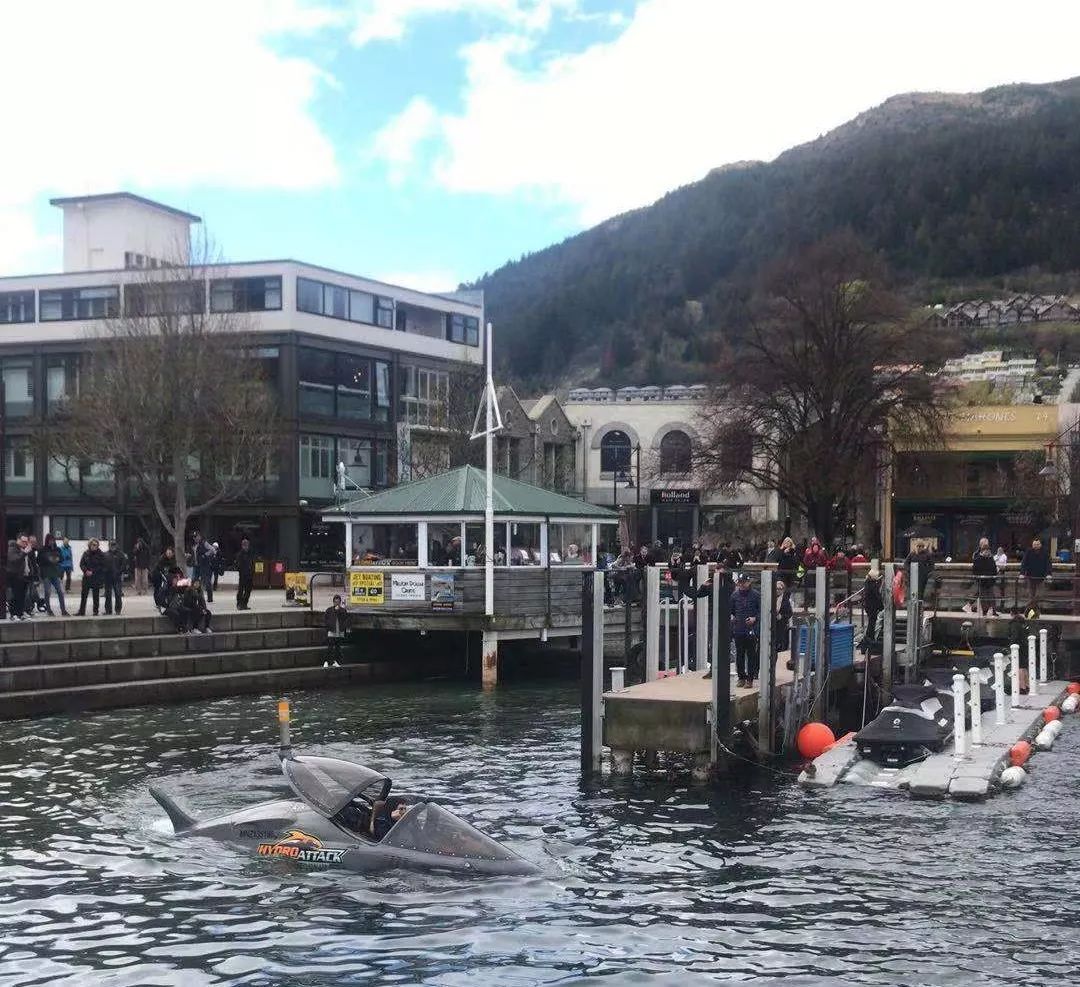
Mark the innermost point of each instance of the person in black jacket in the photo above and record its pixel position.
(92, 566)
(161, 577)
(17, 569)
(245, 570)
(984, 575)
(336, 619)
(193, 603)
(112, 580)
(1035, 567)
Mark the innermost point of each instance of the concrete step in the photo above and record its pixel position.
(159, 691)
(154, 645)
(67, 675)
(71, 628)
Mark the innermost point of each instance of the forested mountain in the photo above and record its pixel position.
(951, 188)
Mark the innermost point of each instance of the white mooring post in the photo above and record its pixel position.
(1033, 667)
(667, 635)
(652, 623)
(959, 737)
(1044, 654)
(1014, 672)
(999, 689)
(618, 678)
(975, 703)
(684, 636)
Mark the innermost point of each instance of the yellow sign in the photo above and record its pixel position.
(365, 588)
(260, 567)
(298, 583)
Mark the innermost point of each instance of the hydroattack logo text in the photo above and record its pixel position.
(299, 846)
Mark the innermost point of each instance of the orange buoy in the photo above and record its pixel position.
(1051, 713)
(1073, 688)
(1019, 753)
(814, 739)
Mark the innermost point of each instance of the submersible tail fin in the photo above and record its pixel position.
(180, 818)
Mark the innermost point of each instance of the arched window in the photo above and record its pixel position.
(675, 452)
(614, 452)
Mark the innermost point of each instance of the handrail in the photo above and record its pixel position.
(311, 584)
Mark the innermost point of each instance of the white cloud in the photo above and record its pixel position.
(389, 20)
(128, 94)
(397, 144)
(692, 84)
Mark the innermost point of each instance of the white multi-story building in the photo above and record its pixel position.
(358, 364)
(653, 433)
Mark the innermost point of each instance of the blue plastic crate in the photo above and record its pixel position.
(841, 645)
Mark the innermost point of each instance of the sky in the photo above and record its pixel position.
(426, 142)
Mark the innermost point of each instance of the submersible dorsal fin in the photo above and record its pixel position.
(181, 819)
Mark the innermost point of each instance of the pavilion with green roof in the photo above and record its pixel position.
(438, 522)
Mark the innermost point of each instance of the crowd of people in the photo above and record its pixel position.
(182, 589)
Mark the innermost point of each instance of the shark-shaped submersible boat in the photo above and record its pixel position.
(344, 816)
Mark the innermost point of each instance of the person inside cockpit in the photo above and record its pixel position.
(373, 821)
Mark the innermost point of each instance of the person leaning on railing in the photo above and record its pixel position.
(1035, 567)
(984, 572)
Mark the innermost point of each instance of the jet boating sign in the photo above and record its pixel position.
(299, 846)
(366, 588)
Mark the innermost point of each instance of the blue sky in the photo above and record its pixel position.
(428, 141)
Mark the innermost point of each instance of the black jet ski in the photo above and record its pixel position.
(918, 723)
(342, 818)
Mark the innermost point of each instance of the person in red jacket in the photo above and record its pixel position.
(839, 562)
(813, 558)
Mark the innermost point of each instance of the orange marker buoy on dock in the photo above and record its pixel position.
(1019, 753)
(813, 740)
(1073, 688)
(1051, 713)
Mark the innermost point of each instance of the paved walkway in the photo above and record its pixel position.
(224, 602)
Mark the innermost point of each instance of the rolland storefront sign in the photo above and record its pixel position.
(675, 496)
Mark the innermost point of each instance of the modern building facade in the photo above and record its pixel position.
(361, 368)
(638, 447)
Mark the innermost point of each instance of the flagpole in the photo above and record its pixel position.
(489, 500)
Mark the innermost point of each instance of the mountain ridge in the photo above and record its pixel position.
(946, 186)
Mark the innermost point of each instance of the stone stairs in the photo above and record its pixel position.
(63, 665)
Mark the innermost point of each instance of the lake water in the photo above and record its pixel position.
(646, 881)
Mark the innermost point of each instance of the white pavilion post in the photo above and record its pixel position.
(489, 499)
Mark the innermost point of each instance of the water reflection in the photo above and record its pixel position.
(645, 879)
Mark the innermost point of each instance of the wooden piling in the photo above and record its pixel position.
(592, 671)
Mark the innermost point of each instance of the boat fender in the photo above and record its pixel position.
(1070, 703)
(1013, 776)
(1044, 740)
(1054, 728)
(1019, 753)
(1051, 713)
(1073, 688)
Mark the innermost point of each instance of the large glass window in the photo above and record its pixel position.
(18, 376)
(675, 452)
(362, 307)
(165, 298)
(317, 373)
(16, 306)
(356, 455)
(463, 329)
(353, 387)
(382, 391)
(316, 466)
(614, 452)
(80, 303)
(61, 380)
(245, 294)
(474, 543)
(384, 312)
(570, 544)
(444, 544)
(18, 467)
(424, 396)
(80, 528)
(524, 543)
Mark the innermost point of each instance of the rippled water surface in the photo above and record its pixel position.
(646, 881)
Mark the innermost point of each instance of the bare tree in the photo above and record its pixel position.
(831, 377)
(170, 401)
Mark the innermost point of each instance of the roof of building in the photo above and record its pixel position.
(462, 491)
(536, 407)
(106, 196)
